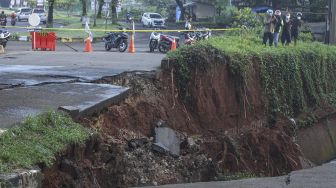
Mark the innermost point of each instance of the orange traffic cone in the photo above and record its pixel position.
(88, 46)
(131, 48)
(173, 47)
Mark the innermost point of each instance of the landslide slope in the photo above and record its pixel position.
(229, 99)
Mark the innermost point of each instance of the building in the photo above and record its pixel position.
(200, 9)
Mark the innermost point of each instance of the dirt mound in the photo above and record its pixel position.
(222, 132)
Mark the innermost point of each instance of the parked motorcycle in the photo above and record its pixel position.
(4, 36)
(154, 41)
(116, 40)
(3, 21)
(199, 34)
(166, 42)
(129, 18)
(13, 19)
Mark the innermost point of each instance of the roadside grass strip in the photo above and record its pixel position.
(38, 140)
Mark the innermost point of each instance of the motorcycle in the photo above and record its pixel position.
(129, 18)
(13, 19)
(166, 42)
(154, 41)
(3, 21)
(199, 34)
(116, 40)
(4, 36)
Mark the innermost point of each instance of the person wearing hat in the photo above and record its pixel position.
(278, 26)
(296, 26)
(286, 33)
(269, 28)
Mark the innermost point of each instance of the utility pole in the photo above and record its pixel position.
(332, 21)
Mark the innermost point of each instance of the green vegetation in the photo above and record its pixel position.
(294, 78)
(237, 176)
(38, 140)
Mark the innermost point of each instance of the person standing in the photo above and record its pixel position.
(296, 27)
(269, 28)
(278, 26)
(286, 33)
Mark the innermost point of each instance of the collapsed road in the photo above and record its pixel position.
(31, 83)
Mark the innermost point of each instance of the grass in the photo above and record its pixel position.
(38, 140)
(294, 78)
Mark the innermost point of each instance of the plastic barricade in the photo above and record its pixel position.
(43, 41)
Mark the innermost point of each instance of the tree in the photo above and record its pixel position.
(66, 5)
(113, 6)
(50, 18)
(180, 4)
(100, 8)
(84, 10)
(220, 6)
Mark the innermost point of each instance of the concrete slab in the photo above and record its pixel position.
(167, 139)
(19, 103)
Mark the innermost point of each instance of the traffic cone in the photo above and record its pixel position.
(173, 47)
(88, 46)
(131, 48)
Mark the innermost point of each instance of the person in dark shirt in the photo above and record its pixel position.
(286, 33)
(278, 27)
(296, 27)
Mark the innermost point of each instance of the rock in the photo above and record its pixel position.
(161, 123)
(191, 142)
(136, 143)
(167, 139)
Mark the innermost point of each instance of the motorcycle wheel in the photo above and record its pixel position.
(123, 46)
(163, 48)
(152, 45)
(3, 44)
(107, 47)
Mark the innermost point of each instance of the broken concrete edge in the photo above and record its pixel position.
(75, 113)
(62, 39)
(22, 179)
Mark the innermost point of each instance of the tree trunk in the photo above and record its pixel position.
(84, 11)
(180, 4)
(100, 8)
(114, 13)
(50, 13)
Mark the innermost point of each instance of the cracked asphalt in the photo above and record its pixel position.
(32, 82)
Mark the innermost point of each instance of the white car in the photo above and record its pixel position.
(41, 13)
(152, 20)
(23, 13)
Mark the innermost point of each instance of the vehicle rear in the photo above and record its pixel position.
(41, 13)
(23, 14)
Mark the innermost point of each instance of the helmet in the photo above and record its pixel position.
(299, 14)
(277, 13)
(270, 11)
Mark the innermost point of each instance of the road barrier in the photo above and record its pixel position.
(43, 41)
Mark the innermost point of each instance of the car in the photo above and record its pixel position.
(23, 13)
(41, 13)
(261, 9)
(152, 20)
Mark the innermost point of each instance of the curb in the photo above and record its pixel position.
(62, 39)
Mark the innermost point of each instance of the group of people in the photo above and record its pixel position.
(287, 27)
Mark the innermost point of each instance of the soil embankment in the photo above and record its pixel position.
(224, 130)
